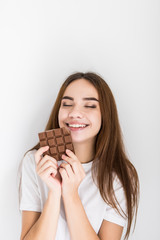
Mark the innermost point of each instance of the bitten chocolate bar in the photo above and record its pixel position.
(58, 140)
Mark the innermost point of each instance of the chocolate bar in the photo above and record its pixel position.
(58, 140)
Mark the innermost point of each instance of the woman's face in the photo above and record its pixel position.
(80, 111)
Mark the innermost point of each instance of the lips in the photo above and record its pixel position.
(73, 126)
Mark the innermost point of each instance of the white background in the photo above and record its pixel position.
(41, 43)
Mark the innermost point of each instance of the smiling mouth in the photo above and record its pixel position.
(77, 126)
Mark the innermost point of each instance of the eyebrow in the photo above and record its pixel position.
(86, 98)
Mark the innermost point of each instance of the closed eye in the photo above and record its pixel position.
(91, 106)
(66, 105)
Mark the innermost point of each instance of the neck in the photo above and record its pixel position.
(84, 152)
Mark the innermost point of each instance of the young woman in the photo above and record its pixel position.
(90, 194)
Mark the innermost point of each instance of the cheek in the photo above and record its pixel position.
(97, 120)
(98, 123)
(61, 115)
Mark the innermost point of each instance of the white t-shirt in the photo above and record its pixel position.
(34, 193)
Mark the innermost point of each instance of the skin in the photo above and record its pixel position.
(65, 183)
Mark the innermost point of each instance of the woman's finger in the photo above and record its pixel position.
(68, 169)
(71, 155)
(76, 165)
(47, 172)
(46, 158)
(67, 159)
(46, 164)
(39, 152)
(63, 173)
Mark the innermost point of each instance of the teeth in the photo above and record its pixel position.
(76, 125)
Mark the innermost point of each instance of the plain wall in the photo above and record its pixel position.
(41, 43)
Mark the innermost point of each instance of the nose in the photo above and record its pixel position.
(75, 113)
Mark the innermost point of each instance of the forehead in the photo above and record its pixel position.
(81, 88)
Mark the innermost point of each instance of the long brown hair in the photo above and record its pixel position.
(109, 148)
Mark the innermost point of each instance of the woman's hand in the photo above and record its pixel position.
(47, 169)
(72, 174)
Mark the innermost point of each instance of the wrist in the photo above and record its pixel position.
(53, 196)
(71, 197)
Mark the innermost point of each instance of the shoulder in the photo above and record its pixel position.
(29, 155)
(28, 161)
(27, 169)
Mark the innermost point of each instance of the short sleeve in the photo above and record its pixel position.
(111, 214)
(28, 187)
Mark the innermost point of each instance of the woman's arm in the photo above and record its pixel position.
(80, 227)
(72, 174)
(36, 226)
(110, 231)
(78, 223)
